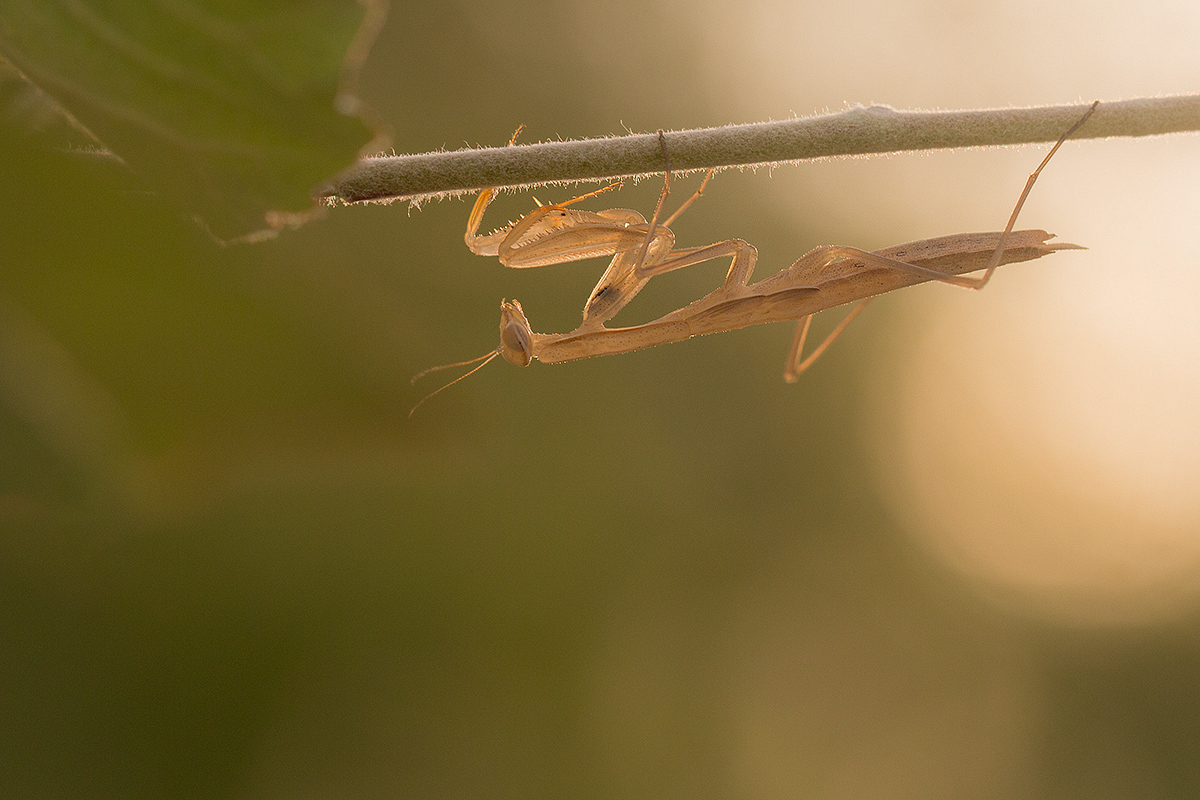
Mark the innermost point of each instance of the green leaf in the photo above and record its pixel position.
(231, 109)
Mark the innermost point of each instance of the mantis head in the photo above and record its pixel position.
(516, 345)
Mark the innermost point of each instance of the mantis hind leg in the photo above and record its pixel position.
(980, 282)
(794, 366)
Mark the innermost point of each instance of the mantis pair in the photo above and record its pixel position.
(822, 278)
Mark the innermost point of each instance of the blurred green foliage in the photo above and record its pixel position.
(225, 109)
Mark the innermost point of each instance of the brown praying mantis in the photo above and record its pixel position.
(822, 278)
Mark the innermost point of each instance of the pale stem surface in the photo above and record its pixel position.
(855, 131)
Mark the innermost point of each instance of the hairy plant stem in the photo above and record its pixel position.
(855, 131)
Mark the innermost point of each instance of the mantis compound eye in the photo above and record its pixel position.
(516, 336)
(516, 346)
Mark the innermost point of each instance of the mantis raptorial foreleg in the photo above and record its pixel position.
(554, 234)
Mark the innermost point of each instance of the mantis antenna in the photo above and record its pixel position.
(485, 358)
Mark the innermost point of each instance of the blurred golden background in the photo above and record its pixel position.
(960, 558)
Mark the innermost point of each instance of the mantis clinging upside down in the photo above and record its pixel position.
(822, 278)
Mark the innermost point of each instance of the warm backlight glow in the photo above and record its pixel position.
(1046, 443)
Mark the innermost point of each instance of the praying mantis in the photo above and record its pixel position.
(822, 278)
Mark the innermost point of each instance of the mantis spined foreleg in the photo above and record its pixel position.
(554, 234)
